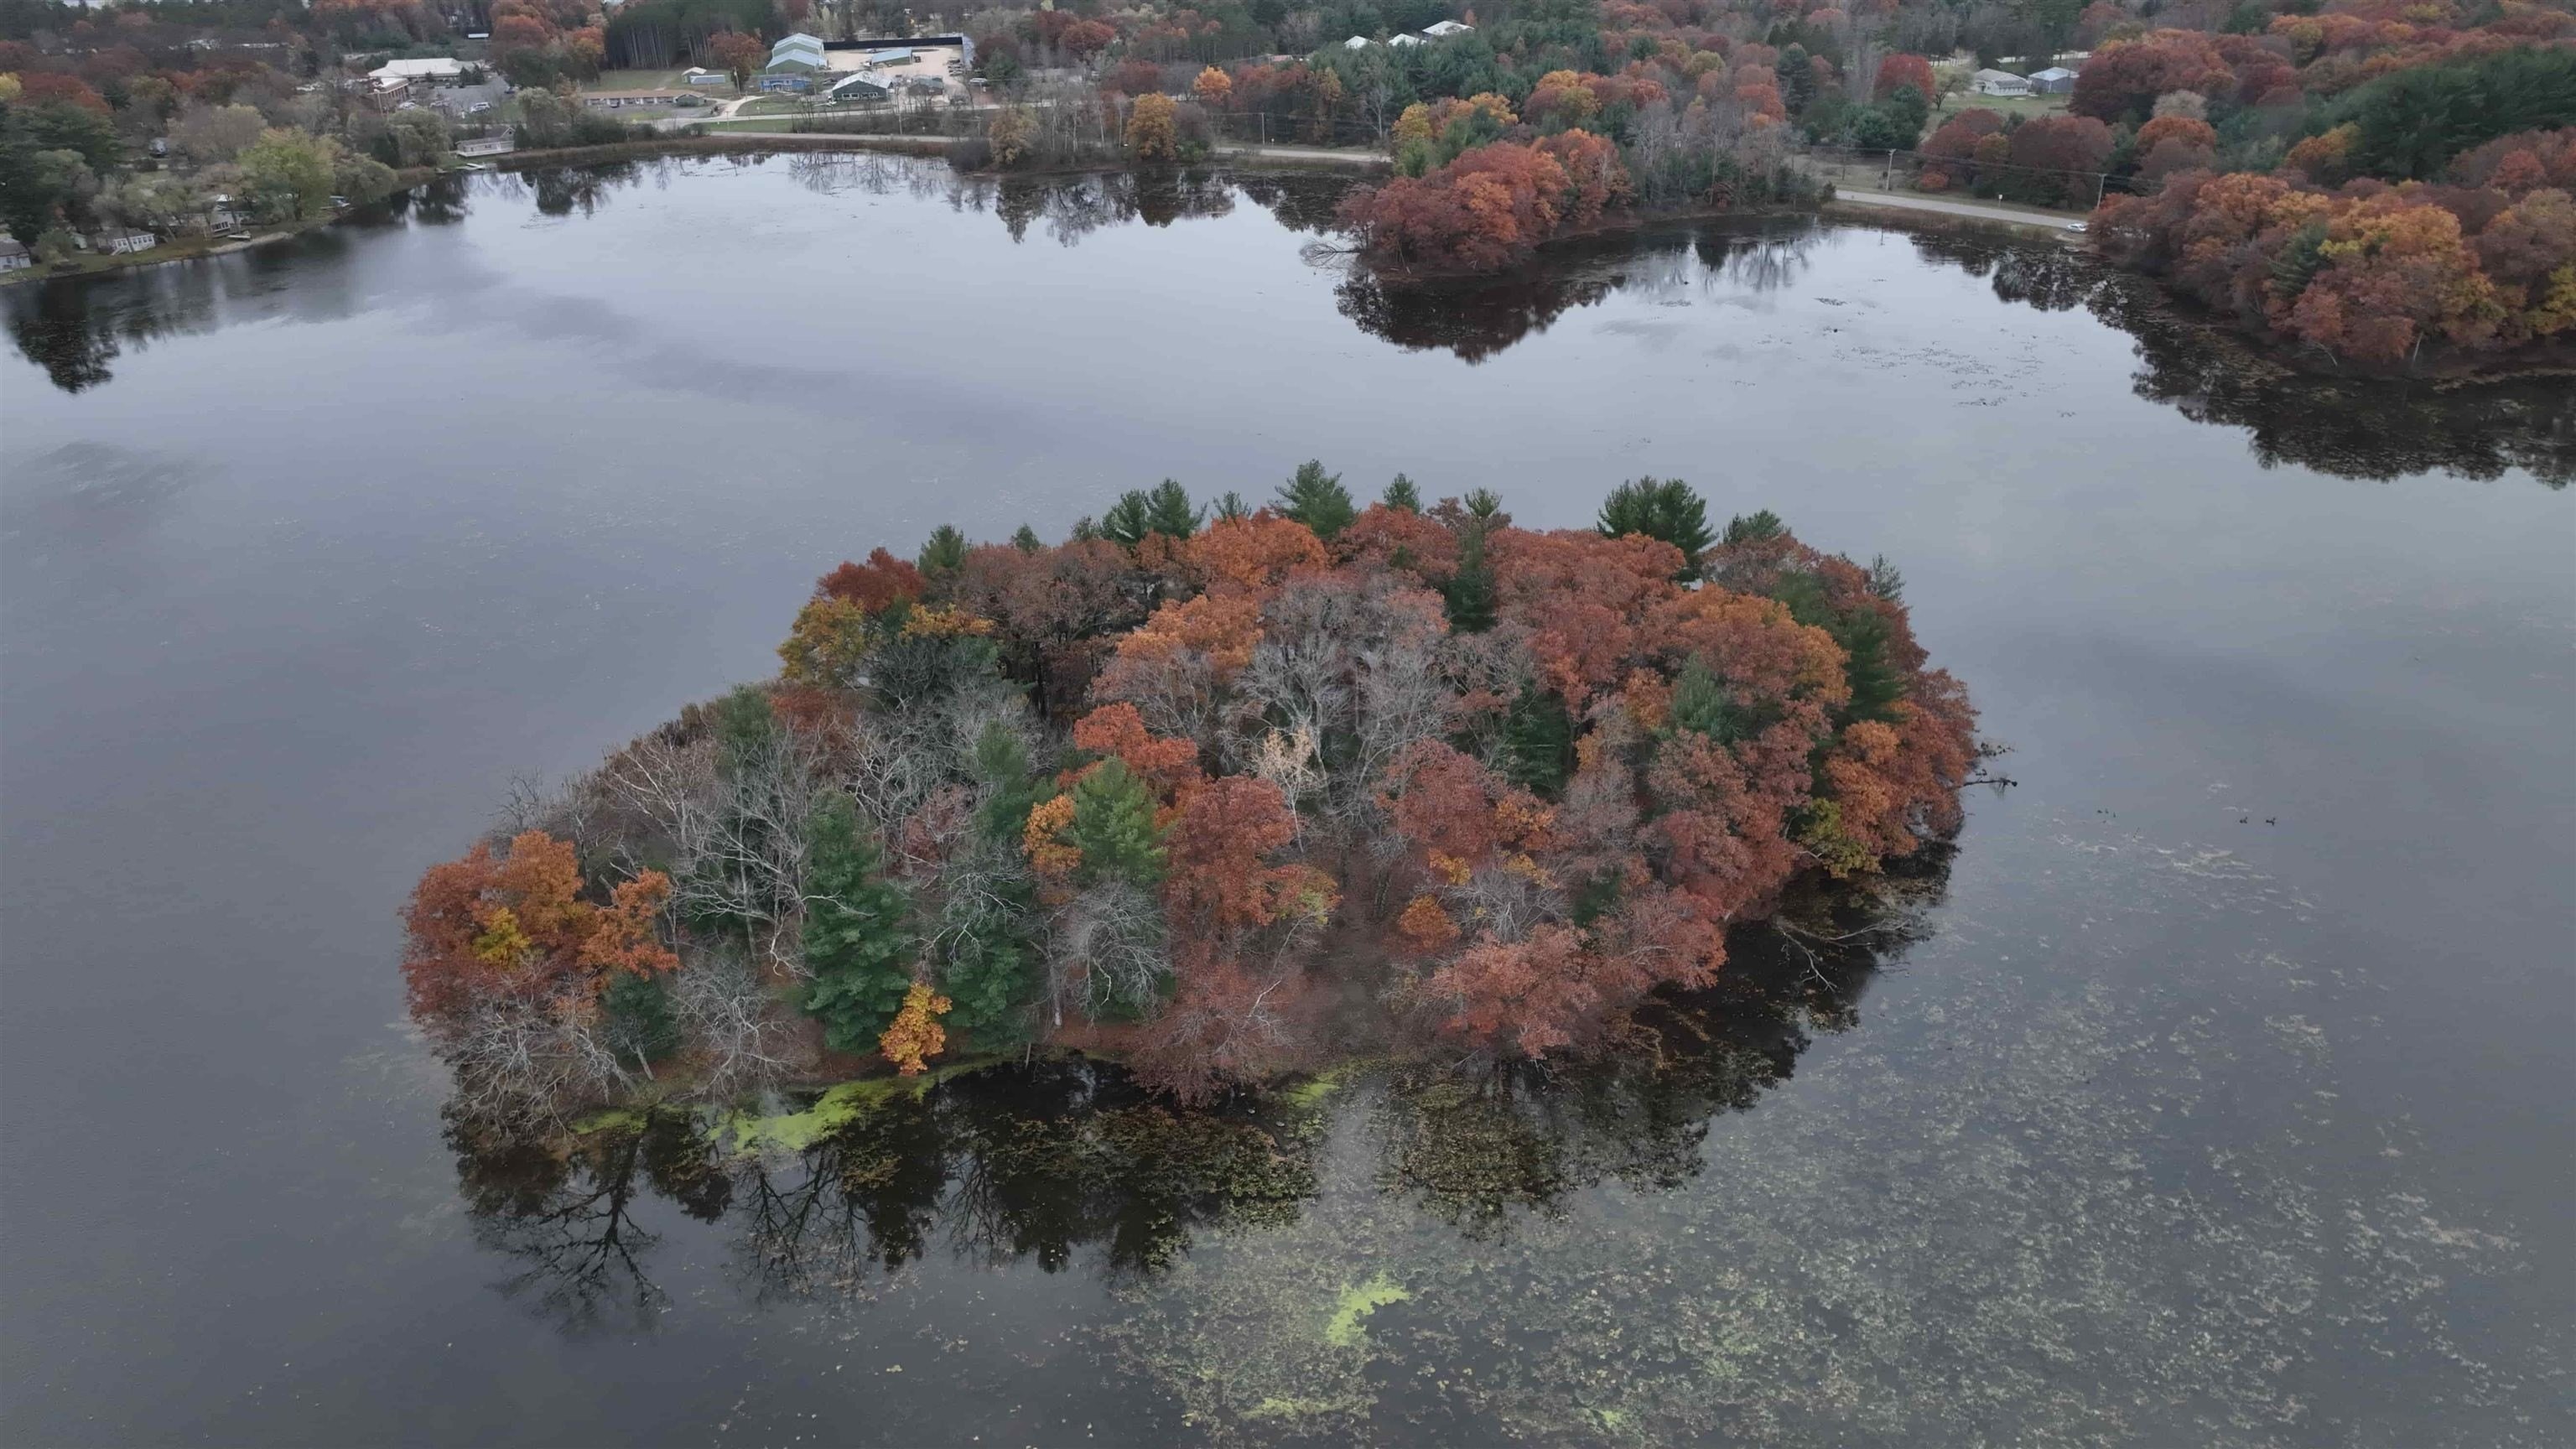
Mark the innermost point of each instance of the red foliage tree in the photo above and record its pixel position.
(1904, 70)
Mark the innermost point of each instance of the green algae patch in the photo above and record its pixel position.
(1313, 1092)
(1275, 1409)
(1345, 1328)
(615, 1120)
(743, 1133)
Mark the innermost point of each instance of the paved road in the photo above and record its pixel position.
(2010, 215)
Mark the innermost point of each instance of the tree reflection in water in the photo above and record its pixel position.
(2348, 427)
(1064, 1162)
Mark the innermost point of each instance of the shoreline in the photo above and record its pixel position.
(2249, 345)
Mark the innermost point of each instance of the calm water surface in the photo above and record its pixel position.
(2214, 1090)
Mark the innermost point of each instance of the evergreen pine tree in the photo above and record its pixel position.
(1759, 527)
(1538, 742)
(635, 1014)
(944, 554)
(1317, 499)
(1402, 496)
(1128, 520)
(1231, 506)
(856, 945)
(1170, 513)
(1026, 540)
(1660, 508)
(1113, 826)
(1470, 591)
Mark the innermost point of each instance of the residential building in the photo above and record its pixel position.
(863, 86)
(1998, 83)
(117, 241)
(1443, 29)
(2057, 80)
(13, 255)
(703, 78)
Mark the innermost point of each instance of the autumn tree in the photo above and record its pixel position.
(1213, 88)
(1153, 132)
(737, 55)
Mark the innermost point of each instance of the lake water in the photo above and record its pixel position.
(2214, 1090)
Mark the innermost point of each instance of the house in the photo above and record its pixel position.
(2057, 80)
(118, 241)
(500, 145)
(1358, 42)
(798, 54)
(702, 77)
(222, 215)
(627, 100)
(1404, 42)
(1998, 83)
(1442, 30)
(13, 255)
(863, 87)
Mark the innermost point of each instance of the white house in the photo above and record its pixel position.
(1357, 42)
(13, 255)
(1443, 29)
(702, 77)
(2057, 80)
(119, 242)
(1998, 83)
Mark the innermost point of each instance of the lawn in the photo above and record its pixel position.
(2007, 106)
(639, 80)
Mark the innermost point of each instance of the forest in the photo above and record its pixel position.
(1220, 792)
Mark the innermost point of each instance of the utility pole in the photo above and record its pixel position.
(1888, 182)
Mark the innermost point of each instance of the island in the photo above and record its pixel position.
(1220, 793)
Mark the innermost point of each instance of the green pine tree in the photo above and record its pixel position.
(1317, 499)
(1026, 540)
(1402, 496)
(1700, 703)
(1666, 509)
(1759, 527)
(1169, 512)
(857, 946)
(1128, 520)
(1538, 742)
(1232, 507)
(1113, 826)
(635, 1013)
(1470, 591)
(944, 554)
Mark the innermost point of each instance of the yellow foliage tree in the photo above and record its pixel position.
(1213, 88)
(1153, 130)
(916, 1034)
